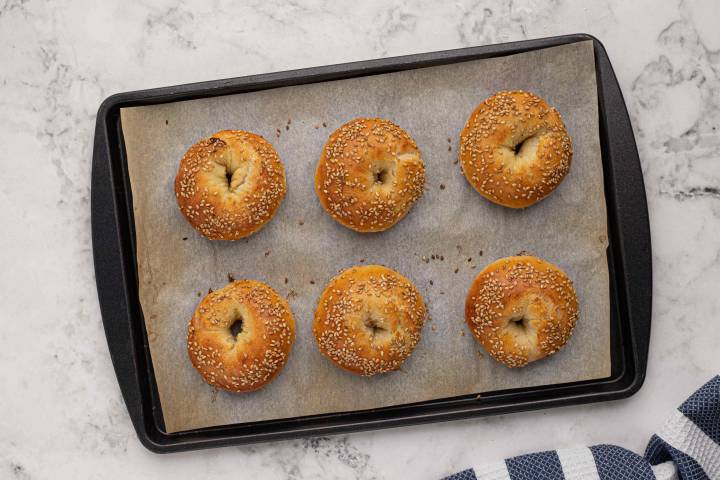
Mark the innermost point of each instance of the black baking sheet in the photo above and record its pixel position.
(113, 242)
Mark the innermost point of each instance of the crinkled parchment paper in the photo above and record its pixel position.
(302, 244)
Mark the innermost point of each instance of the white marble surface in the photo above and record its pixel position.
(62, 415)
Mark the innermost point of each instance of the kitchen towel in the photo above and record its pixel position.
(687, 447)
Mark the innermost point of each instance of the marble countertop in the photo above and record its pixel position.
(62, 413)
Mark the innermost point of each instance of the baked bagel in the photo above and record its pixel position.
(521, 309)
(230, 185)
(368, 319)
(240, 336)
(369, 175)
(514, 149)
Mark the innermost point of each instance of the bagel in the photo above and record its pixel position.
(228, 186)
(240, 336)
(369, 319)
(521, 309)
(515, 149)
(369, 175)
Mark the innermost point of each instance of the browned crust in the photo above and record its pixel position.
(490, 136)
(222, 211)
(369, 319)
(345, 179)
(521, 286)
(258, 353)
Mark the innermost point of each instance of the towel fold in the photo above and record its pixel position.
(687, 447)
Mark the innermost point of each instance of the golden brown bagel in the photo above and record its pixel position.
(521, 309)
(240, 336)
(368, 319)
(230, 185)
(514, 149)
(369, 175)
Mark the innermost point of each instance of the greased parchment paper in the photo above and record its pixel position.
(445, 240)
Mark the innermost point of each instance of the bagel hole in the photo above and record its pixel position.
(519, 323)
(375, 329)
(381, 176)
(526, 150)
(236, 327)
(236, 173)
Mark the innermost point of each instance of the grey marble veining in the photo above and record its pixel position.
(62, 413)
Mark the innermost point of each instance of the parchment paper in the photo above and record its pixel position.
(303, 244)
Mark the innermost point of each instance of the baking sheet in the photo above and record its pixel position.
(448, 237)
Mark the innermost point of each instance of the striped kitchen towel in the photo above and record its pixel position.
(687, 447)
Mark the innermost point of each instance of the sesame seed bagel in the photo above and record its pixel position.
(369, 175)
(514, 149)
(230, 185)
(368, 319)
(521, 309)
(240, 336)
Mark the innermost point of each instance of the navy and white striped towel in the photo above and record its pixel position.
(687, 447)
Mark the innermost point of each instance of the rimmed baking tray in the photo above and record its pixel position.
(628, 254)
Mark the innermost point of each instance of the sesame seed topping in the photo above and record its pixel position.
(515, 149)
(246, 360)
(229, 186)
(369, 174)
(521, 309)
(369, 319)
